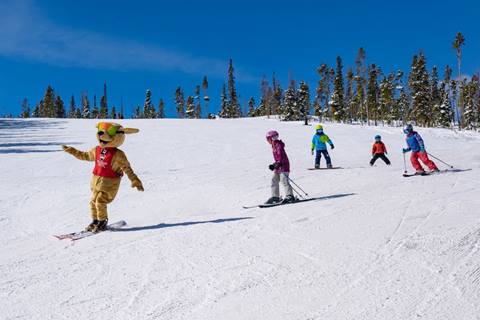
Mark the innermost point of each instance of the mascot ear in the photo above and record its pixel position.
(130, 130)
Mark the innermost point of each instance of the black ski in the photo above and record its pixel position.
(299, 200)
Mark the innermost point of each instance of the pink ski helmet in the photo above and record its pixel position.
(272, 135)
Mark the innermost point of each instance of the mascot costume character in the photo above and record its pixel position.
(110, 165)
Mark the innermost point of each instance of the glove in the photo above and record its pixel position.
(422, 150)
(405, 150)
(68, 149)
(271, 167)
(332, 146)
(137, 184)
(312, 152)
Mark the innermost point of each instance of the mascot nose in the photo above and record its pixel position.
(100, 133)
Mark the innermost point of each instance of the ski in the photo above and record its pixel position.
(263, 205)
(83, 234)
(325, 168)
(423, 174)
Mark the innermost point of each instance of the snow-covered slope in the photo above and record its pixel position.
(389, 248)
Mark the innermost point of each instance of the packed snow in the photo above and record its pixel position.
(377, 246)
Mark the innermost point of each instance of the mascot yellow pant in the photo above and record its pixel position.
(104, 191)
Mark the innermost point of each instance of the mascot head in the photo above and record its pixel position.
(112, 135)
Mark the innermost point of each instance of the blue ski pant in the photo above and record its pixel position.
(318, 156)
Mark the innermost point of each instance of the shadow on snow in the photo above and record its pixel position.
(180, 224)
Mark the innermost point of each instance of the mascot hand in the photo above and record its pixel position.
(137, 184)
(68, 149)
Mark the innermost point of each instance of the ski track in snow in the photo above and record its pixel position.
(393, 248)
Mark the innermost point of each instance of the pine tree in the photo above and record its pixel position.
(360, 109)
(190, 113)
(349, 104)
(47, 107)
(161, 109)
(251, 107)
(372, 93)
(234, 110)
(224, 112)
(387, 99)
(435, 98)
(303, 94)
(71, 111)
(85, 106)
(457, 44)
(275, 97)
(95, 112)
(59, 107)
(198, 106)
(470, 94)
(323, 91)
(137, 114)
(148, 108)
(206, 98)
(402, 106)
(103, 112)
(78, 113)
(420, 87)
(180, 102)
(337, 105)
(113, 114)
(265, 107)
(25, 113)
(36, 111)
(290, 106)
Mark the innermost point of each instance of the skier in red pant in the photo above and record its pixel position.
(416, 145)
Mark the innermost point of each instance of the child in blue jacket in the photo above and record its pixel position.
(319, 144)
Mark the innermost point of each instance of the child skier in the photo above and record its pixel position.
(319, 142)
(281, 170)
(379, 151)
(416, 145)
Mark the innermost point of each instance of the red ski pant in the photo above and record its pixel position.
(423, 156)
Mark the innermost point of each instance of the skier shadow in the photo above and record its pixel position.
(457, 170)
(180, 224)
(333, 196)
(27, 147)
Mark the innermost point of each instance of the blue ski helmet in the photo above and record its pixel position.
(378, 137)
(408, 128)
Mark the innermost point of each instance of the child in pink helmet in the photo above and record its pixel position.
(281, 170)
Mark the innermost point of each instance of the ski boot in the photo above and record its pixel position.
(92, 225)
(420, 173)
(273, 200)
(289, 199)
(317, 166)
(329, 166)
(100, 226)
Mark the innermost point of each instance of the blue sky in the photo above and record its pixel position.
(133, 45)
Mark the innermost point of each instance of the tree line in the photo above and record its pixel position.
(361, 94)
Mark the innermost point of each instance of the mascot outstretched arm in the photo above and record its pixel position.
(110, 165)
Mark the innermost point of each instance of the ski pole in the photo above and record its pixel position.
(296, 185)
(431, 155)
(296, 191)
(404, 163)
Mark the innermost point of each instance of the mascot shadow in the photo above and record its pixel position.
(179, 224)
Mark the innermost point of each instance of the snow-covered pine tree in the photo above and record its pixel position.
(470, 110)
(148, 108)
(78, 113)
(337, 103)
(36, 111)
(372, 93)
(265, 107)
(161, 109)
(402, 106)
(198, 106)
(457, 44)
(95, 112)
(359, 101)
(137, 114)
(103, 112)
(386, 99)
(206, 98)
(190, 107)
(290, 106)
(303, 97)
(435, 98)
(323, 91)
(275, 97)
(224, 112)
(85, 106)
(180, 102)
(251, 107)
(25, 112)
(59, 107)
(420, 88)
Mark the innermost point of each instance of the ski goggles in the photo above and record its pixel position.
(108, 128)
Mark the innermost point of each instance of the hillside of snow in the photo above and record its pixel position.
(378, 246)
